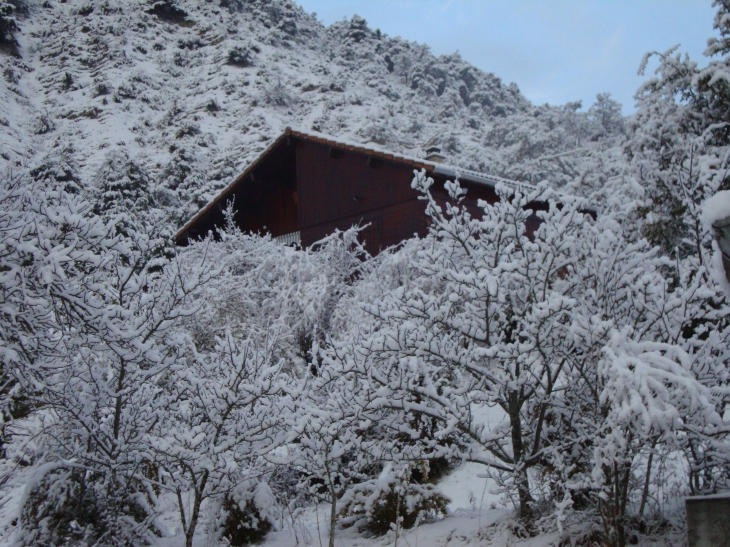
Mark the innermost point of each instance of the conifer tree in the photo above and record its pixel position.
(8, 24)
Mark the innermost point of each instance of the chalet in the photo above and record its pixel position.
(305, 185)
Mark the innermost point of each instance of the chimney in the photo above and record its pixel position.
(434, 154)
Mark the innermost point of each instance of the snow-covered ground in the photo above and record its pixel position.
(476, 517)
(461, 527)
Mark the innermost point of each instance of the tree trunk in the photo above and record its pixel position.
(645, 492)
(613, 511)
(520, 472)
(118, 403)
(333, 518)
(197, 501)
(190, 532)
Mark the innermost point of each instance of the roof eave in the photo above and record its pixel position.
(227, 190)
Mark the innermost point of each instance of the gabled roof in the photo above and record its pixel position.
(366, 149)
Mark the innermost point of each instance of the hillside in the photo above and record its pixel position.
(170, 99)
(482, 384)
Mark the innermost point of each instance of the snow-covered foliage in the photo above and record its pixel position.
(221, 414)
(572, 341)
(715, 210)
(481, 314)
(101, 386)
(49, 240)
(392, 500)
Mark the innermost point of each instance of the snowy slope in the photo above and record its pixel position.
(189, 92)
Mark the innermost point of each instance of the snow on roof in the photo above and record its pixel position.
(438, 168)
(482, 178)
(367, 149)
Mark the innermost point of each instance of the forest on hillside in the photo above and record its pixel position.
(217, 394)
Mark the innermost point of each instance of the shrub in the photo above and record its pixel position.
(67, 82)
(124, 187)
(233, 5)
(381, 503)
(278, 95)
(240, 57)
(58, 169)
(243, 520)
(102, 88)
(191, 43)
(72, 507)
(44, 124)
(169, 12)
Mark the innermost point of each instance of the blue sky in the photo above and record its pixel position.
(554, 50)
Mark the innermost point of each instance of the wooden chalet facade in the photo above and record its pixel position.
(306, 185)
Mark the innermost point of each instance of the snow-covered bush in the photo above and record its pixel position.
(58, 168)
(244, 518)
(222, 412)
(78, 363)
(124, 186)
(650, 396)
(331, 451)
(240, 57)
(71, 506)
(169, 11)
(480, 320)
(86, 344)
(293, 295)
(481, 324)
(183, 178)
(392, 500)
(50, 241)
(44, 124)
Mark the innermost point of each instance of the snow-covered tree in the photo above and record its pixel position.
(482, 322)
(99, 385)
(225, 409)
(124, 186)
(677, 148)
(263, 287)
(481, 327)
(678, 142)
(606, 113)
(8, 24)
(650, 396)
(50, 241)
(329, 455)
(625, 294)
(270, 285)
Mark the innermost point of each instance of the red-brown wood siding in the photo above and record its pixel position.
(347, 184)
(341, 189)
(387, 226)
